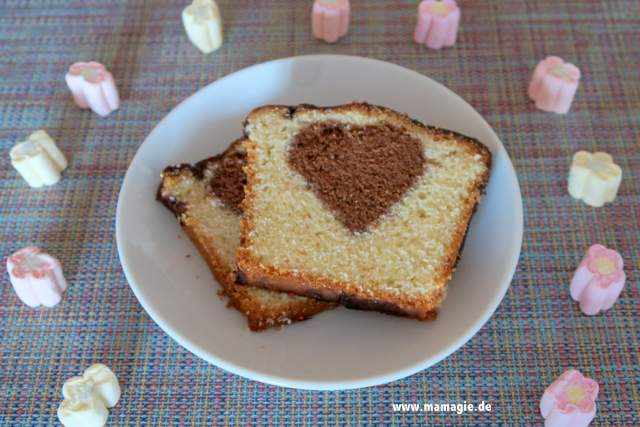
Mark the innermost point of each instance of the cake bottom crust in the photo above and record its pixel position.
(327, 290)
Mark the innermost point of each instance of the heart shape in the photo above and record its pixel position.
(359, 172)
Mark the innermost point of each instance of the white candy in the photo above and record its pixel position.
(38, 160)
(594, 178)
(203, 24)
(105, 383)
(87, 398)
(81, 407)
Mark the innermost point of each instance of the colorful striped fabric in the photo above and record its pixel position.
(535, 334)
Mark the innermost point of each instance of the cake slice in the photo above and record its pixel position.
(206, 198)
(357, 204)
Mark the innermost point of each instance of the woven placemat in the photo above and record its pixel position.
(535, 334)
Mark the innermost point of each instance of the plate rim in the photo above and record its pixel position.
(282, 381)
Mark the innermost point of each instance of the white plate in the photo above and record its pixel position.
(339, 349)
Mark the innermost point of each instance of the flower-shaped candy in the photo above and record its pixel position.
(87, 398)
(203, 24)
(438, 23)
(38, 160)
(570, 401)
(554, 84)
(598, 281)
(92, 86)
(36, 277)
(594, 178)
(330, 19)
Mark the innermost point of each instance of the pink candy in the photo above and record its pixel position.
(92, 86)
(36, 277)
(554, 84)
(437, 23)
(330, 19)
(598, 281)
(570, 401)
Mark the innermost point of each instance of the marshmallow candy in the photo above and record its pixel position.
(87, 398)
(203, 24)
(81, 407)
(92, 86)
(598, 281)
(438, 23)
(38, 160)
(36, 277)
(570, 401)
(330, 19)
(554, 84)
(594, 178)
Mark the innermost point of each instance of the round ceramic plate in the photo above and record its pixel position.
(338, 349)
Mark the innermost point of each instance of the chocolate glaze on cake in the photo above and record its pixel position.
(170, 202)
(359, 172)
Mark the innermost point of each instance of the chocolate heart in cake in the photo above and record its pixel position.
(359, 172)
(228, 180)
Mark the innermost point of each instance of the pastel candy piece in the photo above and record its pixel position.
(570, 401)
(554, 85)
(87, 398)
(594, 178)
(38, 160)
(81, 407)
(92, 86)
(105, 383)
(438, 23)
(598, 281)
(203, 25)
(330, 19)
(36, 277)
